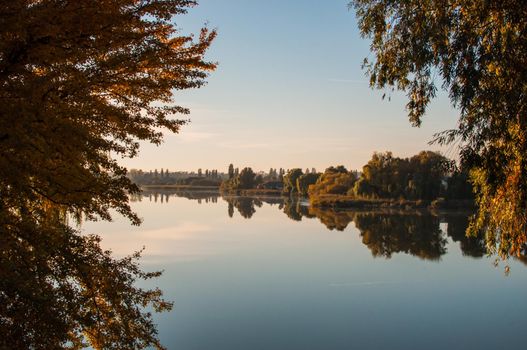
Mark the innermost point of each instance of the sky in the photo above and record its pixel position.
(288, 92)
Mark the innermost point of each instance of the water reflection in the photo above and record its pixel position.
(321, 279)
(163, 196)
(414, 233)
(292, 208)
(244, 205)
(384, 232)
(333, 219)
(470, 246)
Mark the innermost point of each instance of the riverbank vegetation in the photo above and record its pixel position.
(164, 177)
(423, 180)
(426, 179)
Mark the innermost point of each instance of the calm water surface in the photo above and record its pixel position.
(248, 273)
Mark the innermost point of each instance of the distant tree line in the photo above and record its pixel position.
(425, 176)
(275, 179)
(165, 177)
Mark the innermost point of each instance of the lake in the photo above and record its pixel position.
(267, 273)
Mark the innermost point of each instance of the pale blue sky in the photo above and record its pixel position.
(288, 92)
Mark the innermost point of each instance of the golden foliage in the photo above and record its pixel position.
(478, 50)
(80, 83)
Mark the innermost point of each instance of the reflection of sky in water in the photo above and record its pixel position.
(270, 282)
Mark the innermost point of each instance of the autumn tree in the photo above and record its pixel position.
(281, 174)
(231, 171)
(258, 180)
(80, 83)
(246, 178)
(427, 171)
(304, 181)
(477, 51)
(334, 181)
(273, 174)
(418, 177)
(290, 178)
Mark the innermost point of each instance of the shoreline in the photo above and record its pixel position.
(332, 201)
(345, 202)
(179, 187)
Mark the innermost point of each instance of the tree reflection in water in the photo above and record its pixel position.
(384, 232)
(418, 234)
(245, 205)
(291, 208)
(470, 246)
(163, 195)
(333, 219)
